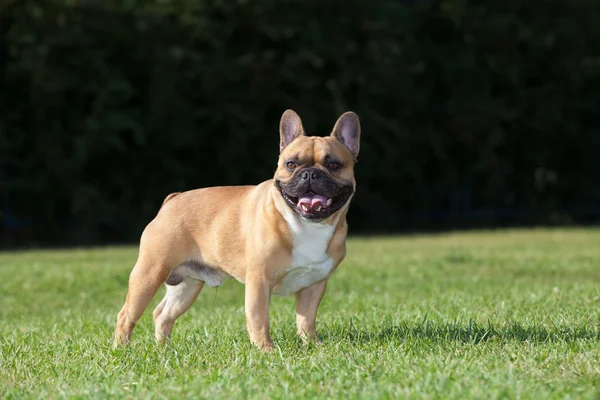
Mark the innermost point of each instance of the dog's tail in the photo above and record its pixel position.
(169, 197)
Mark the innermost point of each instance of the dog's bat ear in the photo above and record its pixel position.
(347, 131)
(290, 128)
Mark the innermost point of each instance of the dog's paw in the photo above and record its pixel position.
(265, 346)
(267, 349)
(310, 338)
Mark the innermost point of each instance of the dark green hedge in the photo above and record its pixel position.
(472, 112)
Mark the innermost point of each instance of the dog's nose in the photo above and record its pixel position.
(310, 174)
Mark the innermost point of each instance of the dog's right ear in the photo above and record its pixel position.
(290, 128)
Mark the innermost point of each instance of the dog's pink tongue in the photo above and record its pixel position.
(312, 201)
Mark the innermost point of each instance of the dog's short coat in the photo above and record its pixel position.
(284, 236)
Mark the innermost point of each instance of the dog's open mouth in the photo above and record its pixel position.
(316, 206)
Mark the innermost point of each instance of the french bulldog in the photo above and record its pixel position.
(284, 236)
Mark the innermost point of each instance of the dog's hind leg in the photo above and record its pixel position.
(178, 299)
(144, 281)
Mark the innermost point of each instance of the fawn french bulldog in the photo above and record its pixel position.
(284, 236)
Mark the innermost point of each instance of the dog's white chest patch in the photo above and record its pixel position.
(310, 263)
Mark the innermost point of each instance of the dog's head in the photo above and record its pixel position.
(315, 175)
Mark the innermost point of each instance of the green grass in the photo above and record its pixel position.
(507, 314)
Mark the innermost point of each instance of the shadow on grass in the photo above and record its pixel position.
(469, 332)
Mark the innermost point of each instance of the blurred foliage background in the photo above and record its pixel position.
(473, 113)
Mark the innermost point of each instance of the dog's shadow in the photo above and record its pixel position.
(468, 332)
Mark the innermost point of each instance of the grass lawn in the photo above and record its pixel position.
(507, 314)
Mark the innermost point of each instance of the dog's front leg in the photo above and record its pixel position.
(307, 303)
(258, 296)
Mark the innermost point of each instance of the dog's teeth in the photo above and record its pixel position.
(318, 208)
(329, 202)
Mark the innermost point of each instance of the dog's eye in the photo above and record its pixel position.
(333, 165)
(291, 165)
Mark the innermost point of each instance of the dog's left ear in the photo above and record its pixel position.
(347, 131)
